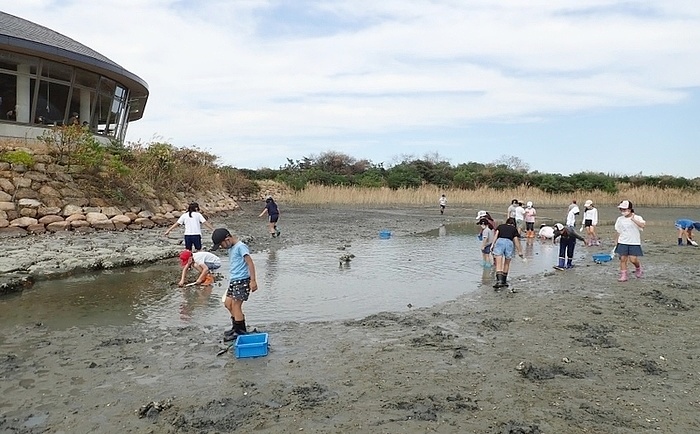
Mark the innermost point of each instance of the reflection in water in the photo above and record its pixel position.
(299, 283)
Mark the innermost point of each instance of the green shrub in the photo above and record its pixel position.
(17, 157)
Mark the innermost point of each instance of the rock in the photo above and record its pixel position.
(119, 226)
(47, 190)
(134, 227)
(98, 202)
(3, 215)
(7, 186)
(26, 193)
(7, 206)
(57, 226)
(4, 223)
(29, 203)
(132, 215)
(160, 220)
(73, 217)
(36, 176)
(96, 217)
(21, 182)
(23, 222)
(5, 197)
(78, 223)
(145, 214)
(12, 231)
(50, 219)
(144, 222)
(102, 224)
(36, 229)
(71, 209)
(85, 229)
(121, 218)
(89, 209)
(44, 211)
(52, 202)
(79, 201)
(111, 211)
(28, 212)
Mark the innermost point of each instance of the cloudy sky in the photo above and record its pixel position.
(566, 86)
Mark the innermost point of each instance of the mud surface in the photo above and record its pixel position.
(570, 352)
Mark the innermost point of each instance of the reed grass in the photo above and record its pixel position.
(428, 195)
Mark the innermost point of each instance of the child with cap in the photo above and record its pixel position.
(242, 279)
(590, 221)
(203, 262)
(530, 213)
(567, 244)
(629, 239)
(685, 229)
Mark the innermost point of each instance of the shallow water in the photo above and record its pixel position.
(301, 283)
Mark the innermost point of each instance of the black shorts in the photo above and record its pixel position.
(239, 289)
(274, 218)
(588, 223)
(530, 226)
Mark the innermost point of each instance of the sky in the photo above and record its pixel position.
(566, 86)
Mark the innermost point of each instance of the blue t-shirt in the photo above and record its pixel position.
(237, 265)
(685, 224)
(272, 208)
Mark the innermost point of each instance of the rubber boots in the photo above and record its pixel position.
(638, 272)
(499, 280)
(623, 276)
(504, 283)
(560, 265)
(569, 263)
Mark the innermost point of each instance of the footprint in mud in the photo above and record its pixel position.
(594, 335)
(650, 367)
(438, 338)
(547, 372)
(512, 427)
(428, 408)
(496, 324)
(671, 303)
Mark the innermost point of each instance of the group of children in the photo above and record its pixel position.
(499, 243)
(242, 276)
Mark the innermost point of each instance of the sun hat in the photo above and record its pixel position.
(218, 236)
(529, 204)
(588, 203)
(185, 256)
(481, 214)
(559, 227)
(625, 204)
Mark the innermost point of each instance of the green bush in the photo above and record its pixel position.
(17, 157)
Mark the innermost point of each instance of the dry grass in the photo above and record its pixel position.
(428, 195)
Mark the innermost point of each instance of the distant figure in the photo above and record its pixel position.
(192, 219)
(572, 204)
(685, 230)
(510, 212)
(567, 244)
(202, 262)
(443, 204)
(487, 233)
(11, 115)
(74, 119)
(571, 215)
(629, 239)
(520, 219)
(590, 221)
(273, 212)
(530, 213)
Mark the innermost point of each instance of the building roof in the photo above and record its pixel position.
(22, 36)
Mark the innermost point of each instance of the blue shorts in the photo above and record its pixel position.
(629, 250)
(504, 247)
(193, 240)
(239, 289)
(212, 265)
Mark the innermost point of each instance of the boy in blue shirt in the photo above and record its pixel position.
(242, 280)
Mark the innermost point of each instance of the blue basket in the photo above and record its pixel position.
(385, 234)
(602, 257)
(251, 345)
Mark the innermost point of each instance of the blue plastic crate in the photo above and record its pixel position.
(385, 234)
(251, 345)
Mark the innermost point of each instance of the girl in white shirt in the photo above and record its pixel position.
(193, 221)
(590, 221)
(629, 239)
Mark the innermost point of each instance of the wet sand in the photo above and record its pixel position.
(570, 352)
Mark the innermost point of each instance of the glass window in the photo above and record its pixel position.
(86, 79)
(8, 97)
(10, 60)
(52, 100)
(57, 71)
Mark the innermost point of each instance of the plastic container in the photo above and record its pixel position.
(384, 234)
(251, 345)
(602, 257)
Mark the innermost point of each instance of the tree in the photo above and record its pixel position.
(512, 163)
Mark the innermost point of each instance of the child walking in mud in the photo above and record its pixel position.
(443, 203)
(590, 221)
(685, 230)
(242, 279)
(629, 239)
(193, 221)
(486, 241)
(273, 212)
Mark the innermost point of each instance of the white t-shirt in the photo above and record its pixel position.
(571, 216)
(443, 201)
(546, 232)
(206, 257)
(629, 232)
(592, 215)
(519, 213)
(193, 225)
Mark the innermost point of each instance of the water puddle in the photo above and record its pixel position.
(300, 283)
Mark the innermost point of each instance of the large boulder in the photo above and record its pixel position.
(111, 211)
(71, 209)
(145, 214)
(102, 224)
(144, 222)
(5, 197)
(4, 223)
(120, 218)
(7, 186)
(36, 229)
(96, 217)
(29, 203)
(73, 217)
(50, 219)
(27, 212)
(12, 231)
(7, 206)
(48, 210)
(78, 223)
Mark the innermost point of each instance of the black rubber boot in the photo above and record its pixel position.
(504, 283)
(499, 280)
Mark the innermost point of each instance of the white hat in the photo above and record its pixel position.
(588, 203)
(625, 204)
(529, 204)
(559, 227)
(480, 214)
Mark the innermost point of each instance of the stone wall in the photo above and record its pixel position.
(47, 198)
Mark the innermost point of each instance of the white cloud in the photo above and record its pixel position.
(243, 76)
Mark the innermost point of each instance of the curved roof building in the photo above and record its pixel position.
(49, 79)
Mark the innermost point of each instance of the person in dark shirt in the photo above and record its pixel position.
(273, 213)
(567, 244)
(506, 242)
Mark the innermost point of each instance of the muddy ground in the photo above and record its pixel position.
(570, 352)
